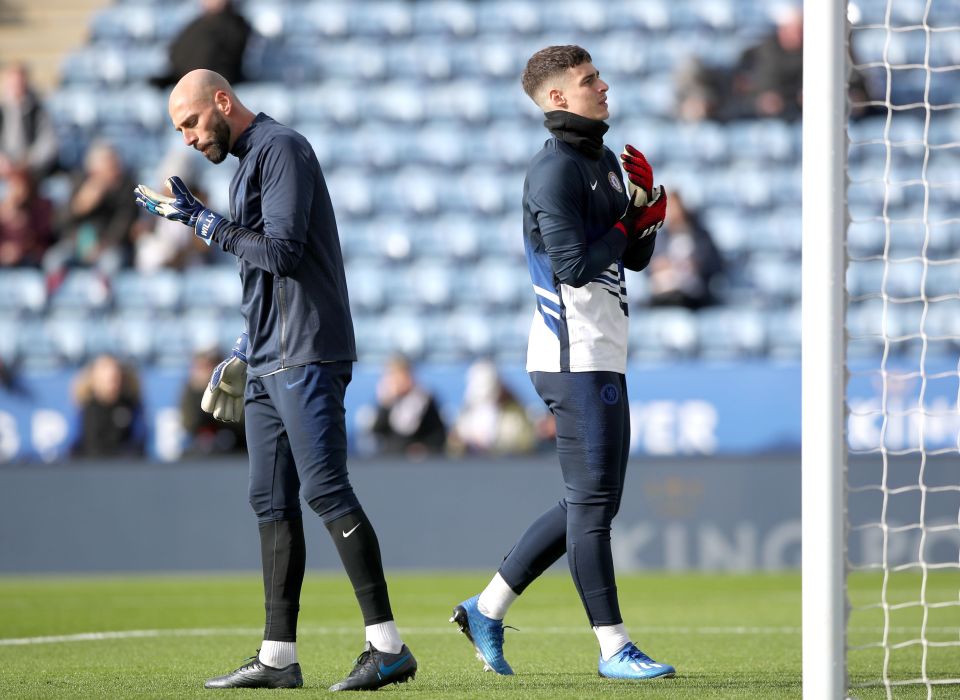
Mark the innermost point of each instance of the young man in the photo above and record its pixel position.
(580, 230)
(288, 372)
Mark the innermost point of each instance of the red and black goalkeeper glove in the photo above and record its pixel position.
(639, 175)
(640, 222)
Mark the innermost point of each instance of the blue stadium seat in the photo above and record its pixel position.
(439, 203)
(776, 279)
(577, 17)
(10, 325)
(172, 341)
(133, 334)
(497, 283)
(675, 329)
(273, 98)
(154, 291)
(506, 17)
(37, 345)
(325, 22)
(456, 18)
(211, 287)
(433, 281)
(943, 280)
(369, 283)
(783, 333)
(864, 277)
(425, 59)
(22, 290)
(727, 333)
(81, 290)
(130, 23)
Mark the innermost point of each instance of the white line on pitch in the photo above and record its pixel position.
(307, 629)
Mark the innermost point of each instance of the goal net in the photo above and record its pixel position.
(899, 491)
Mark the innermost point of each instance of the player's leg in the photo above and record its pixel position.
(310, 400)
(274, 495)
(480, 618)
(593, 436)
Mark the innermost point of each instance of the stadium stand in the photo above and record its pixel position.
(417, 116)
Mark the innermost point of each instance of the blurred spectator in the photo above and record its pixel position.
(767, 81)
(685, 261)
(26, 221)
(169, 243)
(99, 218)
(215, 40)
(27, 135)
(111, 414)
(492, 420)
(205, 434)
(10, 379)
(408, 421)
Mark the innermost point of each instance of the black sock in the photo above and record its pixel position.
(283, 553)
(359, 551)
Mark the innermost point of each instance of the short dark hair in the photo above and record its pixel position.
(548, 62)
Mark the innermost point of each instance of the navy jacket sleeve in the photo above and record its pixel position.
(556, 199)
(287, 178)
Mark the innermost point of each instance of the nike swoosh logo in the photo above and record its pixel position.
(387, 670)
(299, 381)
(347, 533)
(593, 185)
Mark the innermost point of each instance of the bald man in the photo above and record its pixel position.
(288, 373)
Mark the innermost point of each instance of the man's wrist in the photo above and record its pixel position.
(207, 224)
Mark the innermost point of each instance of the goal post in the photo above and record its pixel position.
(881, 349)
(823, 463)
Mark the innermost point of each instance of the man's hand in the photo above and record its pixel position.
(640, 222)
(639, 175)
(182, 207)
(223, 396)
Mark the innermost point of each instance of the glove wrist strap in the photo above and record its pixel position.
(207, 224)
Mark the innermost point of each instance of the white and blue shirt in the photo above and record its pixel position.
(571, 203)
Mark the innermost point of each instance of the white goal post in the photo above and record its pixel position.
(823, 385)
(881, 316)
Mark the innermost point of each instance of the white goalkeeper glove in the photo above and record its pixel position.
(223, 396)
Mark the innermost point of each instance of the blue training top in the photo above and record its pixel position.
(576, 258)
(283, 231)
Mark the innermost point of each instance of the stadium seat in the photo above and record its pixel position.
(81, 290)
(216, 287)
(424, 134)
(507, 17)
(155, 291)
(22, 291)
(43, 344)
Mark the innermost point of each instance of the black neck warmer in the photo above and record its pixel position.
(586, 135)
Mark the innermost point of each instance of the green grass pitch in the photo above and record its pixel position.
(730, 636)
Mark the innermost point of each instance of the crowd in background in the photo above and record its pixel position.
(100, 228)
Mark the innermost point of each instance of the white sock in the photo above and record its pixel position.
(278, 654)
(496, 598)
(612, 639)
(385, 637)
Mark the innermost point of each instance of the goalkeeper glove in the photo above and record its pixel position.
(640, 222)
(639, 175)
(223, 396)
(182, 207)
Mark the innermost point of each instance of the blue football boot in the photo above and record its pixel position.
(632, 664)
(486, 635)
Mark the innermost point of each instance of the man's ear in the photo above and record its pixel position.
(555, 99)
(223, 102)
